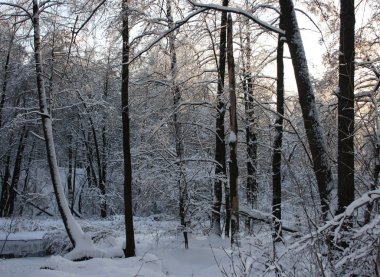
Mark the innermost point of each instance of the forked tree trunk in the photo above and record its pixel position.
(234, 172)
(346, 113)
(317, 144)
(129, 250)
(277, 144)
(220, 147)
(73, 230)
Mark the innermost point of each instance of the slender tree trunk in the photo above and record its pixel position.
(346, 113)
(70, 174)
(182, 187)
(102, 184)
(5, 191)
(277, 144)
(234, 172)
(129, 250)
(220, 147)
(5, 80)
(250, 134)
(73, 230)
(9, 207)
(317, 144)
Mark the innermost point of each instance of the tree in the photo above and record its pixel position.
(317, 145)
(220, 147)
(233, 163)
(277, 142)
(129, 250)
(346, 112)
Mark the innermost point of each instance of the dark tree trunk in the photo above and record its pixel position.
(317, 144)
(182, 187)
(5, 80)
(234, 172)
(251, 138)
(9, 207)
(102, 184)
(277, 144)
(70, 174)
(220, 147)
(5, 191)
(129, 250)
(346, 111)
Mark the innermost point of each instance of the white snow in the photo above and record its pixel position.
(232, 138)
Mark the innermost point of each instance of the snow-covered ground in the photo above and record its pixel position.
(159, 247)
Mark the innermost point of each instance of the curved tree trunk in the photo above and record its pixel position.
(73, 230)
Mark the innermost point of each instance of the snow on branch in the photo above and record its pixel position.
(176, 24)
(263, 24)
(338, 220)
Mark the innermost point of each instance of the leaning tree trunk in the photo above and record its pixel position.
(346, 111)
(277, 143)
(129, 250)
(317, 144)
(234, 172)
(220, 147)
(74, 231)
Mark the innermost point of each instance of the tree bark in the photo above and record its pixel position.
(220, 147)
(234, 172)
(182, 187)
(346, 113)
(129, 250)
(9, 207)
(277, 144)
(317, 144)
(5, 80)
(73, 230)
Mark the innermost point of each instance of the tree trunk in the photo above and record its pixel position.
(277, 144)
(70, 174)
(317, 144)
(220, 147)
(234, 172)
(250, 134)
(5, 80)
(9, 207)
(74, 231)
(182, 187)
(346, 111)
(5, 191)
(129, 250)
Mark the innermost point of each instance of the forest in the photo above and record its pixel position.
(189, 138)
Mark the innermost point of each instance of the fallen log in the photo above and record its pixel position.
(263, 217)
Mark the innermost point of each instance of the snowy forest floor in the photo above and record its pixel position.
(159, 247)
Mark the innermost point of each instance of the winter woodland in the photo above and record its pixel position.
(189, 138)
